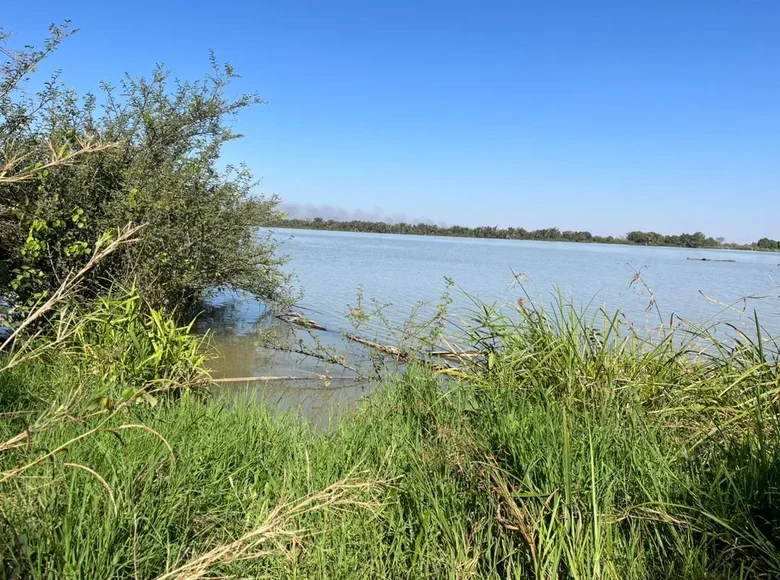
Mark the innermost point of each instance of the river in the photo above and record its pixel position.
(399, 272)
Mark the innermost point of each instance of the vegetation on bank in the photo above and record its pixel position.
(568, 450)
(561, 447)
(695, 240)
(145, 151)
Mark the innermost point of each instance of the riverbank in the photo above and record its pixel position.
(697, 240)
(565, 451)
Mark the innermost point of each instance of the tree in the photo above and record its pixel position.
(768, 244)
(637, 237)
(159, 144)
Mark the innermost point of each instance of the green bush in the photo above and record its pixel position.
(110, 349)
(128, 343)
(148, 153)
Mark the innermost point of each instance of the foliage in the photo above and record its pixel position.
(126, 342)
(569, 451)
(767, 244)
(158, 164)
(113, 348)
(696, 240)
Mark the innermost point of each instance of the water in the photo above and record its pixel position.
(330, 267)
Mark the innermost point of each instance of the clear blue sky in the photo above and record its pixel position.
(601, 115)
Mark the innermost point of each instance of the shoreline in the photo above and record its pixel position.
(622, 242)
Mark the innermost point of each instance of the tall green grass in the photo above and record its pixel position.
(573, 449)
(129, 342)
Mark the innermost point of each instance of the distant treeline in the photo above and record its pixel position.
(695, 240)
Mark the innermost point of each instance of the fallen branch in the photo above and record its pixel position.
(270, 379)
(708, 260)
(399, 354)
(298, 319)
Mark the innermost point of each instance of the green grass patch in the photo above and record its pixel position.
(570, 452)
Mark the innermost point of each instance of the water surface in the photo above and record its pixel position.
(401, 271)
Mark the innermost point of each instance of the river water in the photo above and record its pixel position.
(401, 271)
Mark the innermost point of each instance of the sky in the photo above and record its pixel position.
(602, 115)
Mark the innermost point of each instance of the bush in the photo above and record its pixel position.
(111, 348)
(767, 244)
(148, 154)
(129, 344)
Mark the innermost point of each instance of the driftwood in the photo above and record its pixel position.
(298, 319)
(268, 379)
(708, 260)
(400, 354)
(455, 355)
(451, 355)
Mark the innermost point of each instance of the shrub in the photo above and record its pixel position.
(128, 343)
(147, 154)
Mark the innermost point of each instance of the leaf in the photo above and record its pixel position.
(102, 401)
(149, 399)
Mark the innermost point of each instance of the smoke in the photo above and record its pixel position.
(330, 212)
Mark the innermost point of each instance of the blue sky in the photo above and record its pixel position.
(601, 115)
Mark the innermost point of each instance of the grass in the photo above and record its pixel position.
(570, 451)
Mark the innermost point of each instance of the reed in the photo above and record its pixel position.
(571, 448)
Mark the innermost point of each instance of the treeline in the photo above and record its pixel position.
(695, 240)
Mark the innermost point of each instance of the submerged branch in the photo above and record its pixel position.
(271, 379)
(399, 354)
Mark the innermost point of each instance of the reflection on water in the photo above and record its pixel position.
(400, 271)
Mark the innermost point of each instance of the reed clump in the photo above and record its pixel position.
(569, 448)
